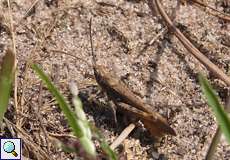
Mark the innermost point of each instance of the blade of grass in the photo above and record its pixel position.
(61, 100)
(217, 108)
(213, 145)
(78, 125)
(216, 138)
(108, 150)
(104, 145)
(7, 70)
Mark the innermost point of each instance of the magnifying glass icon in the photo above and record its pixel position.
(9, 147)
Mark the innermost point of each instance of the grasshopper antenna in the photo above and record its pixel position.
(91, 42)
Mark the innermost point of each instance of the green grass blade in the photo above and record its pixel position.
(105, 147)
(217, 108)
(61, 100)
(7, 70)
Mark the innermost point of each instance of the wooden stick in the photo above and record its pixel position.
(124, 134)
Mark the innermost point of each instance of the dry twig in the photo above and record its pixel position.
(190, 47)
(212, 10)
(124, 134)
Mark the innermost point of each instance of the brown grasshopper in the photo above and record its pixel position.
(127, 101)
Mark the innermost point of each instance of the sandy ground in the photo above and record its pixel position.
(136, 47)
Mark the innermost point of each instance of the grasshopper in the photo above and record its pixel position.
(127, 101)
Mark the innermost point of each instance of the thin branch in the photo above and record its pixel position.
(190, 47)
(212, 11)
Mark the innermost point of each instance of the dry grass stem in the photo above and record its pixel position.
(190, 47)
(212, 10)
